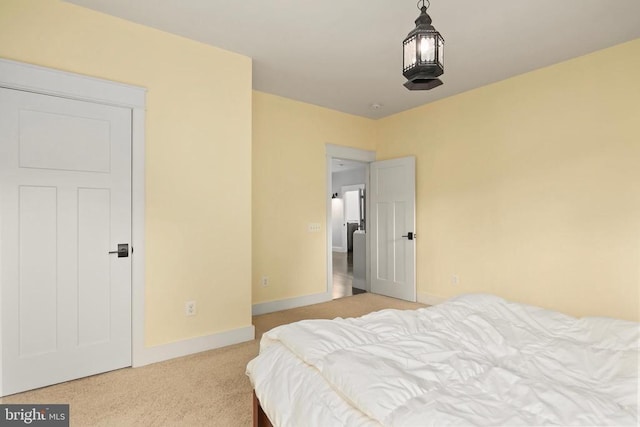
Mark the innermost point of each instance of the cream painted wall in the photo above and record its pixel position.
(289, 191)
(526, 188)
(530, 188)
(198, 141)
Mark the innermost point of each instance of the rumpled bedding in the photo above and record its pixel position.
(472, 360)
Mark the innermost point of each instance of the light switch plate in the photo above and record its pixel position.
(314, 227)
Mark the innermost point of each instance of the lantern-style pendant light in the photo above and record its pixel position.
(423, 54)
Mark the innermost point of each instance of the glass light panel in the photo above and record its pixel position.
(427, 48)
(441, 51)
(410, 53)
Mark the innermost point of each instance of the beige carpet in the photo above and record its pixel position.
(205, 389)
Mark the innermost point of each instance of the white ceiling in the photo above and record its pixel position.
(346, 55)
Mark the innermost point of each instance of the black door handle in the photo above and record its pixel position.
(410, 236)
(123, 250)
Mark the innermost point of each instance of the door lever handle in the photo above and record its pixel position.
(123, 250)
(410, 235)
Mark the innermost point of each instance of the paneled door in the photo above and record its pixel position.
(65, 203)
(392, 228)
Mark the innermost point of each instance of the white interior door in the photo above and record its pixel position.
(65, 202)
(392, 227)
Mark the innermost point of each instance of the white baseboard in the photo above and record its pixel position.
(186, 347)
(429, 299)
(285, 304)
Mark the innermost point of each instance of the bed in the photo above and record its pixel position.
(472, 360)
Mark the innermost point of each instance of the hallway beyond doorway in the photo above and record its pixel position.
(343, 275)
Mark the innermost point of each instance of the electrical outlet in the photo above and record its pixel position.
(190, 308)
(314, 227)
(264, 281)
(455, 280)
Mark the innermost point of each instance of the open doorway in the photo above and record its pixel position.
(348, 226)
(363, 157)
(390, 192)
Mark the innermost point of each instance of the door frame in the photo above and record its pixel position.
(47, 81)
(346, 153)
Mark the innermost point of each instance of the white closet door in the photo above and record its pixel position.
(65, 202)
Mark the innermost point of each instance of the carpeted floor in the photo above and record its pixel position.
(205, 389)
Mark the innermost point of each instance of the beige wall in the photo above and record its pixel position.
(198, 154)
(530, 188)
(289, 191)
(527, 188)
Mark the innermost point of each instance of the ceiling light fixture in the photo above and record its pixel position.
(423, 53)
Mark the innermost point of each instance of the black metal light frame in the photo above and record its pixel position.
(423, 54)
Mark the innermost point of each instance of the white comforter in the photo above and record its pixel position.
(473, 360)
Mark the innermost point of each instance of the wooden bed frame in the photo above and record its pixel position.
(260, 419)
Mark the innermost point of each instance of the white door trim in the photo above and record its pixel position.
(46, 81)
(346, 153)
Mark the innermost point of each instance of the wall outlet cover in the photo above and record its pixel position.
(190, 308)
